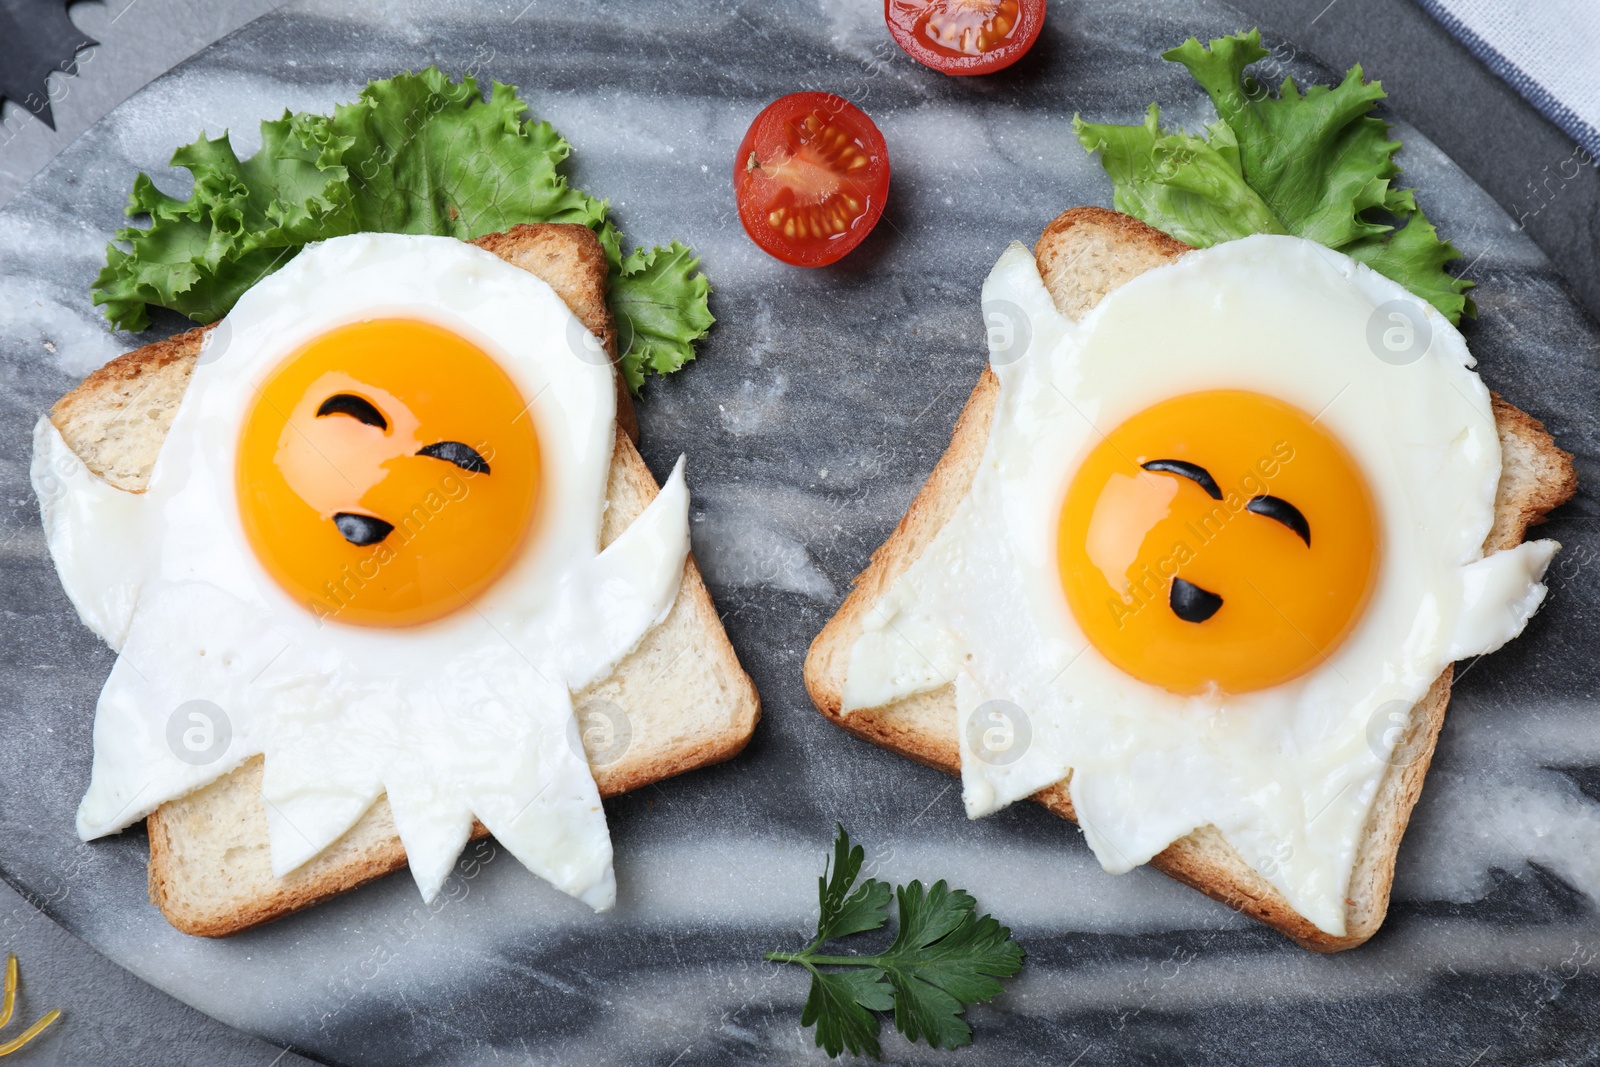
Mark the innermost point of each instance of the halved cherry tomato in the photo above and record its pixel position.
(811, 177)
(965, 36)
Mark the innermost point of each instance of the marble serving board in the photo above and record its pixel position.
(816, 408)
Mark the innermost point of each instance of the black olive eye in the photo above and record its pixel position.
(1192, 471)
(464, 456)
(362, 530)
(1280, 510)
(1191, 603)
(356, 407)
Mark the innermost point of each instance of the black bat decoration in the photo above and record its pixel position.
(36, 37)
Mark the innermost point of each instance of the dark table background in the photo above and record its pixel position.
(1514, 153)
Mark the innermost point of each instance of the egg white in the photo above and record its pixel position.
(1287, 774)
(466, 717)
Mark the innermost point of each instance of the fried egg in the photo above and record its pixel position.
(1216, 534)
(370, 547)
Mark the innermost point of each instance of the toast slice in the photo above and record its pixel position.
(1082, 255)
(687, 701)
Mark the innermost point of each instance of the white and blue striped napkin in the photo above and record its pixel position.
(1548, 50)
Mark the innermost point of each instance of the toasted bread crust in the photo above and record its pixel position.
(128, 370)
(1084, 254)
(569, 257)
(150, 381)
(102, 419)
(335, 871)
(372, 848)
(218, 834)
(1536, 476)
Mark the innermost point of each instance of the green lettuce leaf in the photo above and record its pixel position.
(1315, 164)
(660, 303)
(416, 153)
(1186, 186)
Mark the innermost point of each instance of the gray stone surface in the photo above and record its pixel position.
(818, 405)
(108, 1015)
(138, 40)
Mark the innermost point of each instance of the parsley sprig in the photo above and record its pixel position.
(944, 957)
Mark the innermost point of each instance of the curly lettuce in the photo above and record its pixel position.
(1315, 164)
(416, 153)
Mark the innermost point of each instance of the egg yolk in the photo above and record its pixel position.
(1218, 541)
(388, 473)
